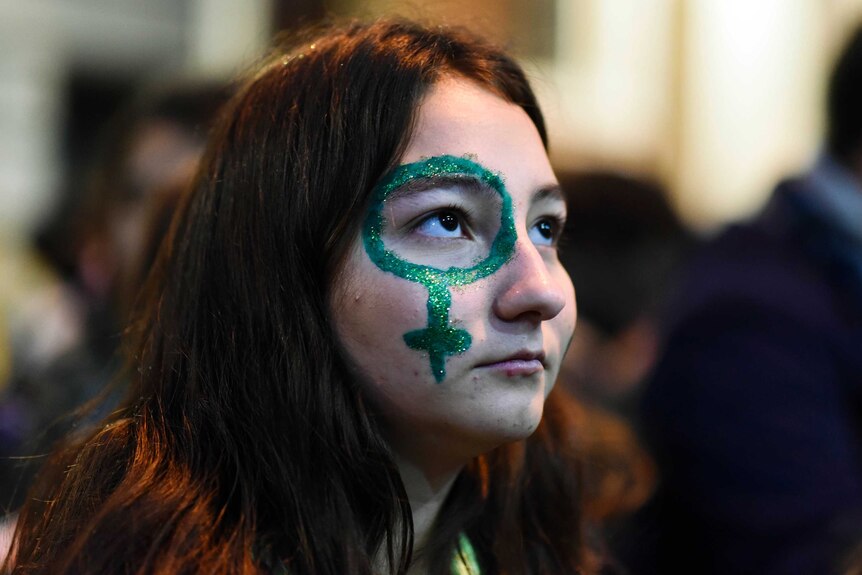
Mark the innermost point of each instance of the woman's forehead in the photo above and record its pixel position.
(458, 117)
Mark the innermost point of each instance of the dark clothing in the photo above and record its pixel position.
(754, 410)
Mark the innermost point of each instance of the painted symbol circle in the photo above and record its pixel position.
(502, 247)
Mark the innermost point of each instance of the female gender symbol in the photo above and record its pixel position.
(440, 338)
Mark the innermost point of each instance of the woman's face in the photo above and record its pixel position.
(452, 306)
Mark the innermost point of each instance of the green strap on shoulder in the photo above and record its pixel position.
(464, 561)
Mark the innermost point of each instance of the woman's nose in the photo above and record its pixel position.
(528, 289)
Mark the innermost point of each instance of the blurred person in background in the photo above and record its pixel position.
(622, 246)
(755, 409)
(65, 340)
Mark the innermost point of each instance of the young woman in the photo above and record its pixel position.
(344, 354)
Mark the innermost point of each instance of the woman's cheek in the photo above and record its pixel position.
(375, 312)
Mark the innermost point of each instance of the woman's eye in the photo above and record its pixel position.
(544, 232)
(445, 224)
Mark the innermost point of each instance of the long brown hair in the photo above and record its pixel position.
(243, 437)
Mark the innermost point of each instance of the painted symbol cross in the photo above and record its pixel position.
(439, 339)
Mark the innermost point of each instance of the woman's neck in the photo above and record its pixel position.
(426, 489)
(426, 494)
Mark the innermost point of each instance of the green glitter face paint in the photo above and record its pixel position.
(440, 339)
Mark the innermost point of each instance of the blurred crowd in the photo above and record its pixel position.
(736, 360)
(720, 379)
(65, 340)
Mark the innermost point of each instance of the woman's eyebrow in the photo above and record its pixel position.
(447, 181)
(552, 192)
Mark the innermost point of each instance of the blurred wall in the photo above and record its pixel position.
(43, 41)
(719, 98)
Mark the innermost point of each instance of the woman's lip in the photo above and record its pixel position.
(515, 367)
